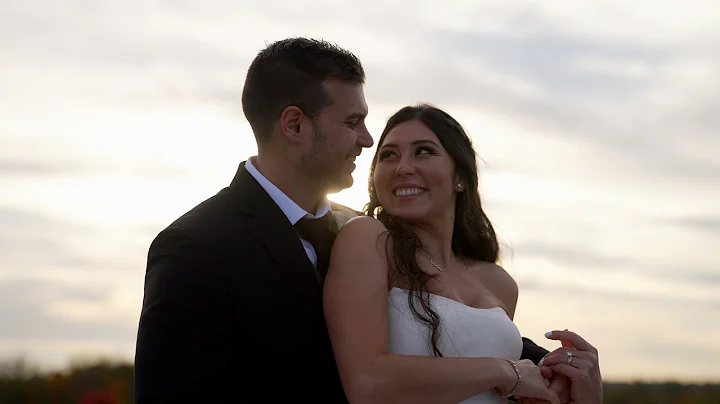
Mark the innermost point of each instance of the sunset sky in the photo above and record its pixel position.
(598, 123)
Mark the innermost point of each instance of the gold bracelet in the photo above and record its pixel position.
(517, 385)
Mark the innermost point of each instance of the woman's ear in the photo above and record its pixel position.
(458, 184)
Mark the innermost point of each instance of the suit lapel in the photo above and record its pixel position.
(271, 227)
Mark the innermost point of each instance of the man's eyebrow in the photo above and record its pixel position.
(356, 115)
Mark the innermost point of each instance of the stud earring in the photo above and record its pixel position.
(460, 187)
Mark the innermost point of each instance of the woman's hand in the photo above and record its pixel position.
(578, 360)
(560, 384)
(533, 384)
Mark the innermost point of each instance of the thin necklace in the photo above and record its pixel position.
(438, 266)
(434, 264)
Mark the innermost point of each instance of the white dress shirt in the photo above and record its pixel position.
(291, 209)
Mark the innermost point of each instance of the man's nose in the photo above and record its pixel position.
(365, 139)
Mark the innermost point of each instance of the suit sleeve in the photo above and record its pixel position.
(532, 351)
(185, 334)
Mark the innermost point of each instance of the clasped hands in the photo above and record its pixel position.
(571, 372)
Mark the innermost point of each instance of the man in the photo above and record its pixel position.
(233, 303)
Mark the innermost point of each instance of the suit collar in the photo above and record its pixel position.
(249, 197)
(274, 231)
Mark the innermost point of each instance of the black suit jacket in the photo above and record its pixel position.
(232, 311)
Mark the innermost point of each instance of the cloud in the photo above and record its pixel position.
(542, 83)
(552, 81)
(26, 309)
(23, 167)
(34, 157)
(29, 239)
(675, 351)
(28, 169)
(709, 224)
(96, 34)
(33, 242)
(572, 256)
(634, 297)
(581, 260)
(60, 279)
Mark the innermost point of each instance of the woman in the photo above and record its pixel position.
(416, 308)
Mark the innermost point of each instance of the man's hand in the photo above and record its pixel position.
(578, 361)
(560, 384)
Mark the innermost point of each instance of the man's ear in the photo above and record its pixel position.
(292, 122)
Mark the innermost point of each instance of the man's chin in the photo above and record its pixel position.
(340, 184)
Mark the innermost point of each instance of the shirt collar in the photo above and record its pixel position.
(291, 209)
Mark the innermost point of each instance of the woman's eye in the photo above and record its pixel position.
(424, 151)
(385, 154)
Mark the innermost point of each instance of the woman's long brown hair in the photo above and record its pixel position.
(473, 234)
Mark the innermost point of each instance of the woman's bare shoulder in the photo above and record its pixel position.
(360, 227)
(502, 278)
(361, 233)
(501, 283)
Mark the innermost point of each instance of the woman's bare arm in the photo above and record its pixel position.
(356, 310)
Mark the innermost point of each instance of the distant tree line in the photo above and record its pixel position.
(661, 393)
(99, 382)
(107, 382)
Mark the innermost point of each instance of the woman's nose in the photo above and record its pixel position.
(404, 167)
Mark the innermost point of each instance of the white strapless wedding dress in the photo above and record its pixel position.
(464, 332)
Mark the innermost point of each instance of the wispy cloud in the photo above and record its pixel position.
(710, 224)
(34, 309)
(19, 167)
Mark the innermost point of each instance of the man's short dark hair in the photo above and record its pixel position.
(290, 72)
